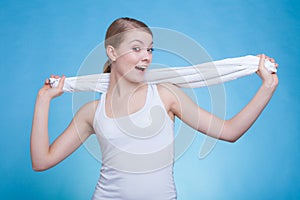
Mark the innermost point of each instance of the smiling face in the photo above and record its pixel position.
(132, 56)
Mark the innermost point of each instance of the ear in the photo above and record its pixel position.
(111, 53)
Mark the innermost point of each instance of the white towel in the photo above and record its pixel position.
(201, 75)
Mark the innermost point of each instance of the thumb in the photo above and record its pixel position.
(262, 61)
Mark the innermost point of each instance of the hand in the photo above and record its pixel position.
(269, 79)
(48, 91)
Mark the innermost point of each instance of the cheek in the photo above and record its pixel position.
(151, 56)
(132, 58)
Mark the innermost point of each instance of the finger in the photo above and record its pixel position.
(262, 60)
(269, 58)
(272, 60)
(47, 81)
(47, 84)
(61, 82)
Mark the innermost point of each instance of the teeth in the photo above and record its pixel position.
(142, 68)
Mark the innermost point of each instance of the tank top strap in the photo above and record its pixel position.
(154, 95)
(156, 100)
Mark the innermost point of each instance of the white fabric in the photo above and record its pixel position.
(201, 75)
(137, 155)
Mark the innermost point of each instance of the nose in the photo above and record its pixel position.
(147, 55)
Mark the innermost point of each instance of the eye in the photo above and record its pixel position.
(150, 50)
(137, 49)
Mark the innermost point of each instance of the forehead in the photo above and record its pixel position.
(137, 35)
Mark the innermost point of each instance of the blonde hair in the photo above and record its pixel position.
(114, 38)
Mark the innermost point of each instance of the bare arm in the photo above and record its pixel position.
(228, 130)
(44, 155)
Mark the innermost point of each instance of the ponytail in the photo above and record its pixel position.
(106, 68)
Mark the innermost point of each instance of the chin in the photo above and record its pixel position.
(139, 78)
(135, 76)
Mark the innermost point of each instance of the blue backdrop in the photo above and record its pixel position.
(39, 38)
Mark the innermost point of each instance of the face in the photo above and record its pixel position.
(133, 55)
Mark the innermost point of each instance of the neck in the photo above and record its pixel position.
(122, 87)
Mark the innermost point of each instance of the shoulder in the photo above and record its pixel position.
(169, 91)
(90, 106)
(87, 112)
(169, 94)
(173, 97)
(166, 89)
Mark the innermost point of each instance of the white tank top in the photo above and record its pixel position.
(137, 152)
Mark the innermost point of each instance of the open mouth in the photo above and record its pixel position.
(142, 68)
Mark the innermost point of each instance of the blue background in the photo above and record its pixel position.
(39, 38)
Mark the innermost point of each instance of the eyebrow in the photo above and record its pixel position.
(140, 42)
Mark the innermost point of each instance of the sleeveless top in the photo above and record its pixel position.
(137, 152)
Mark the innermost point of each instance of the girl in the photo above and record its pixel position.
(134, 121)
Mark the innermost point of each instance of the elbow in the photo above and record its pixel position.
(41, 162)
(233, 137)
(232, 134)
(228, 139)
(38, 169)
(39, 166)
(231, 140)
